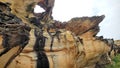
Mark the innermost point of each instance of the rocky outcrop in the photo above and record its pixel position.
(70, 52)
(72, 44)
(67, 55)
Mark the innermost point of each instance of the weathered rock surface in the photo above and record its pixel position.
(77, 46)
(68, 53)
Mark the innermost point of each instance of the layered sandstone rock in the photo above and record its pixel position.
(71, 56)
(68, 53)
(77, 46)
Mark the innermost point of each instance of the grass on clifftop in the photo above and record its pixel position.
(115, 62)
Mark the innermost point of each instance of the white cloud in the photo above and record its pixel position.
(66, 9)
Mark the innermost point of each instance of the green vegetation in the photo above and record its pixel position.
(115, 62)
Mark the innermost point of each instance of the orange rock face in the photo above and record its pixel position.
(66, 54)
(76, 46)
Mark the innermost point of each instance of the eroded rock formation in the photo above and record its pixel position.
(72, 44)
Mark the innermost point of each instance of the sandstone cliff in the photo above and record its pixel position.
(76, 46)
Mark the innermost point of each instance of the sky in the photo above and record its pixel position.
(64, 10)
